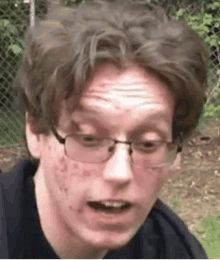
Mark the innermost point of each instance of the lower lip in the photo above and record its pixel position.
(122, 218)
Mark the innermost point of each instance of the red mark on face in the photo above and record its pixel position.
(75, 167)
(59, 179)
(86, 173)
(80, 211)
(61, 174)
(63, 165)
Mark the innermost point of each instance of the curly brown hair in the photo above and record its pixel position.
(62, 51)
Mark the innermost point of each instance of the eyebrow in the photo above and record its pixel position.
(139, 129)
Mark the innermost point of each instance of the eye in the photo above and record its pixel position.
(89, 140)
(149, 146)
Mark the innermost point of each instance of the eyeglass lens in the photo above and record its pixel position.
(95, 151)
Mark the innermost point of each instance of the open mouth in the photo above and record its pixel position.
(109, 207)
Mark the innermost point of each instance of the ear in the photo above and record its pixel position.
(33, 139)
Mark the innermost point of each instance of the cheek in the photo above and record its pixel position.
(69, 173)
(151, 182)
(61, 174)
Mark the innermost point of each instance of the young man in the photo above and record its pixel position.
(109, 89)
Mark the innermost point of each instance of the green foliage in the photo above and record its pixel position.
(12, 31)
(203, 23)
(212, 110)
(208, 232)
(207, 25)
(10, 37)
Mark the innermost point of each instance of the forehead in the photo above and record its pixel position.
(125, 90)
(125, 96)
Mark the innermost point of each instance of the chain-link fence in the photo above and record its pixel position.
(16, 15)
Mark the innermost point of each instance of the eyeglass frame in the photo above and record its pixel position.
(63, 140)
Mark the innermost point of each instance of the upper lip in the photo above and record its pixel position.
(113, 200)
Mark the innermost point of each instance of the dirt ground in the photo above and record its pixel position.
(195, 185)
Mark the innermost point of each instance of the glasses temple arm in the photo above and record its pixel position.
(179, 149)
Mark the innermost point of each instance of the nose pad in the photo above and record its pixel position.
(111, 149)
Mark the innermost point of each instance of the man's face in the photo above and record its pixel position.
(132, 104)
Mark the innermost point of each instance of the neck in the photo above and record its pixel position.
(62, 242)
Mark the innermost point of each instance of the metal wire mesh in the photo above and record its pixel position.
(16, 16)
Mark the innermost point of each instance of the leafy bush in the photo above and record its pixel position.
(12, 26)
(204, 23)
(14, 20)
(207, 25)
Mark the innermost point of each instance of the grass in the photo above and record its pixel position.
(208, 233)
(11, 128)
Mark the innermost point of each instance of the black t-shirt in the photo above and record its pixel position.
(163, 235)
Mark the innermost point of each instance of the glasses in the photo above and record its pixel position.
(92, 149)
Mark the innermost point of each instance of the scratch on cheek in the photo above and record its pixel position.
(63, 165)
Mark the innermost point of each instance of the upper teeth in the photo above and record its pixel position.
(113, 204)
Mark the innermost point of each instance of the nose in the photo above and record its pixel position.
(118, 168)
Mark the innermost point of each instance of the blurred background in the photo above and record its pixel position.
(17, 15)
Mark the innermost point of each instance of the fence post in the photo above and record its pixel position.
(32, 13)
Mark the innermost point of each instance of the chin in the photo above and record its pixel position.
(111, 240)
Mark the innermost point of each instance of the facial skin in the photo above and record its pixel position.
(122, 100)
